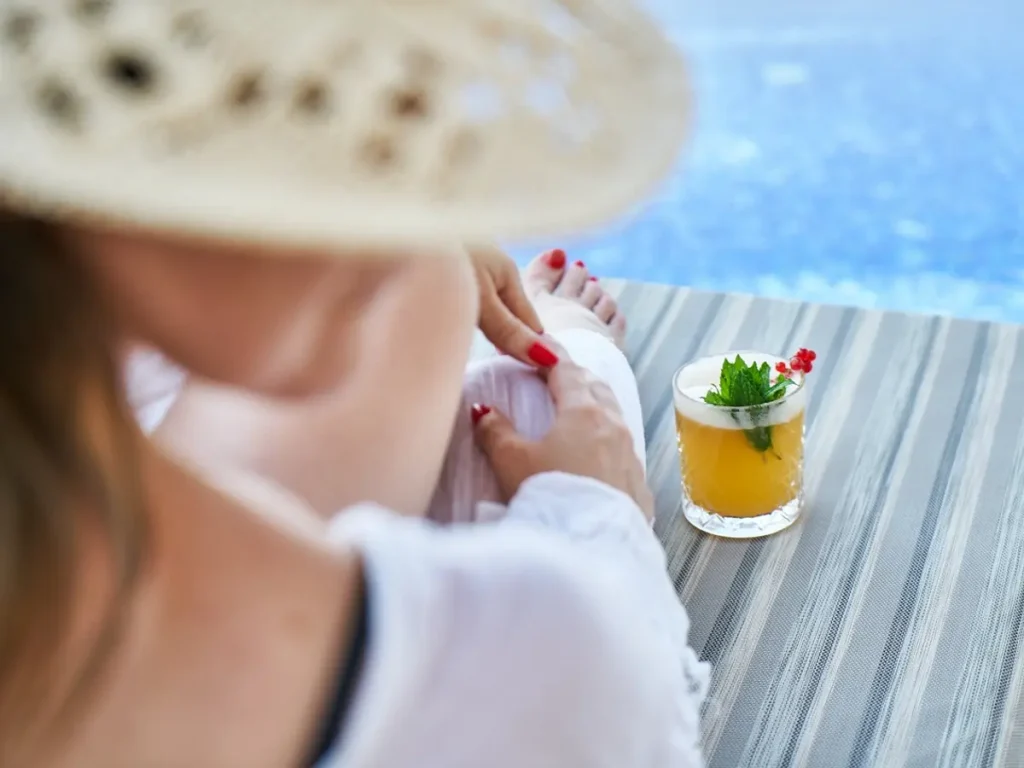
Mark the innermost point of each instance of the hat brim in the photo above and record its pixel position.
(373, 126)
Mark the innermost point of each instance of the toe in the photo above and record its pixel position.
(591, 294)
(618, 328)
(605, 308)
(545, 272)
(574, 281)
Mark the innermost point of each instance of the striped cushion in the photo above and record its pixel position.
(884, 629)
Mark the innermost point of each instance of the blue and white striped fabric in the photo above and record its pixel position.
(885, 628)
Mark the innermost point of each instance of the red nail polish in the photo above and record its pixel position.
(592, 279)
(557, 258)
(478, 412)
(542, 356)
(580, 264)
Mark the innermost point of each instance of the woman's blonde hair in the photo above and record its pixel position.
(66, 466)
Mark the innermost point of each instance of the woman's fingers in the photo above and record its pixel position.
(512, 336)
(605, 396)
(570, 385)
(506, 450)
(507, 316)
(513, 296)
(509, 333)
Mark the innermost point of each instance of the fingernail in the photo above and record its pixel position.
(542, 356)
(592, 279)
(580, 264)
(478, 412)
(557, 258)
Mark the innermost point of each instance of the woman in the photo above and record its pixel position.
(157, 611)
(386, 459)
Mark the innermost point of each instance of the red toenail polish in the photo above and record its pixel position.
(542, 356)
(580, 264)
(478, 412)
(557, 258)
(592, 279)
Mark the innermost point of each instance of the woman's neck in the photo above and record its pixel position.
(234, 635)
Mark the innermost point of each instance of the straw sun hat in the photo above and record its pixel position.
(336, 123)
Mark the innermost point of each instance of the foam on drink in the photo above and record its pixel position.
(694, 381)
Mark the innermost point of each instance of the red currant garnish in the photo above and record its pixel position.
(807, 355)
(808, 367)
(781, 367)
(797, 363)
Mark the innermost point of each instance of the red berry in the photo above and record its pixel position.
(808, 367)
(781, 367)
(796, 364)
(807, 355)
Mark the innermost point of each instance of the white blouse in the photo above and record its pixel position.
(552, 637)
(549, 636)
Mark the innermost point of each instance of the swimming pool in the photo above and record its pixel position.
(849, 153)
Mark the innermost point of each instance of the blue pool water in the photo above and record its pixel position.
(844, 152)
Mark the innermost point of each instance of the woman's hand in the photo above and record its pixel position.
(589, 438)
(507, 316)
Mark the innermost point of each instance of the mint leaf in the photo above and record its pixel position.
(714, 398)
(760, 438)
(726, 378)
(743, 385)
(777, 390)
(750, 388)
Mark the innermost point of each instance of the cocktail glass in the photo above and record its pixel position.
(742, 468)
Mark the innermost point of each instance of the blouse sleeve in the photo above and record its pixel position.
(609, 532)
(551, 638)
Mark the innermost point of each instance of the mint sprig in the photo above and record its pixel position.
(748, 386)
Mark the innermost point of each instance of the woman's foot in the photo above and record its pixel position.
(568, 296)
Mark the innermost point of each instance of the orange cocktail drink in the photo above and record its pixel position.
(741, 453)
